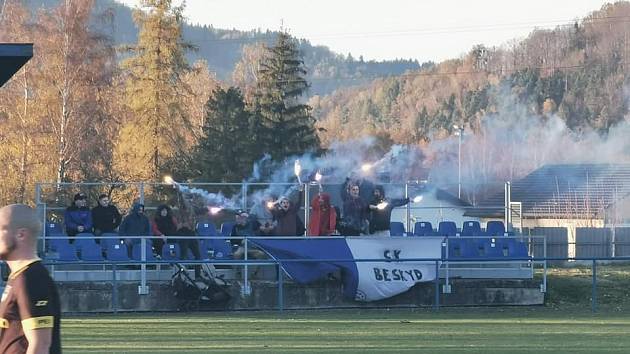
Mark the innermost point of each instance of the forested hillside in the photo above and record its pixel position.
(222, 49)
(577, 72)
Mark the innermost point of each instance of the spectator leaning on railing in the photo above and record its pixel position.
(105, 216)
(78, 217)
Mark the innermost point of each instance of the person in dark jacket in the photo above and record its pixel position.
(285, 214)
(105, 217)
(381, 211)
(244, 226)
(78, 217)
(164, 225)
(355, 214)
(135, 224)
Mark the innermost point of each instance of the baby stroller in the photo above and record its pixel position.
(206, 293)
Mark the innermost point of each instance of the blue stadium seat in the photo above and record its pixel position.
(423, 228)
(492, 249)
(53, 229)
(92, 253)
(171, 252)
(55, 243)
(67, 253)
(226, 228)
(396, 228)
(495, 228)
(206, 229)
(517, 249)
(471, 228)
(456, 248)
(106, 242)
(117, 252)
(447, 228)
(472, 248)
(84, 242)
(222, 248)
(136, 252)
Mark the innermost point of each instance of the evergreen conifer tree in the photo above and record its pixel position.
(225, 152)
(154, 88)
(287, 123)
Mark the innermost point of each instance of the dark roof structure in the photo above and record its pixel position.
(576, 191)
(12, 58)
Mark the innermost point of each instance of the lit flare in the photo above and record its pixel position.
(382, 205)
(297, 168)
(215, 210)
(417, 199)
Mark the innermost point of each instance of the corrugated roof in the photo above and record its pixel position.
(568, 191)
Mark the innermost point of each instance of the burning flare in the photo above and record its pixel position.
(270, 204)
(417, 199)
(366, 167)
(215, 210)
(297, 168)
(169, 180)
(382, 205)
(318, 177)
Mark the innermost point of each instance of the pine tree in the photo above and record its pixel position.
(225, 152)
(155, 92)
(287, 122)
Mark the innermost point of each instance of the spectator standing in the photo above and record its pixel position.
(164, 225)
(285, 214)
(381, 211)
(135, 224)
(244, 226)
(265, 224)
(105, 216)
(323, 221)
(78, 217)
(355, 214)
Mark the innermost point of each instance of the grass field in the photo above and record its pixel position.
(468, 330)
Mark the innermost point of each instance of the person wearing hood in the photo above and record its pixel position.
(323, 221)
(78, 217)
(164, 225)
(285, 214)
(135, 224)
(381, 211)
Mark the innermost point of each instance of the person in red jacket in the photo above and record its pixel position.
(323, 221)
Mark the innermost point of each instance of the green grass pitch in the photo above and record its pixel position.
(494, 330)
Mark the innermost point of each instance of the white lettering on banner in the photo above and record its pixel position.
(394, 275)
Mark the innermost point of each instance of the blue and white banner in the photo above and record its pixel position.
(363, 281)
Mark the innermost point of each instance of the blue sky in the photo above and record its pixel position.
(421, 29)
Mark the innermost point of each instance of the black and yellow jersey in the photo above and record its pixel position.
(30, 300)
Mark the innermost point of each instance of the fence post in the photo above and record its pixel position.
(114, 289)
(307, 206)
(436, 305)
(407, 209)
(594, 288)
(144, 289)
(280, 288)
(246, 288)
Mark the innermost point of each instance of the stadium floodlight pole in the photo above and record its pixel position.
(459, 132)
